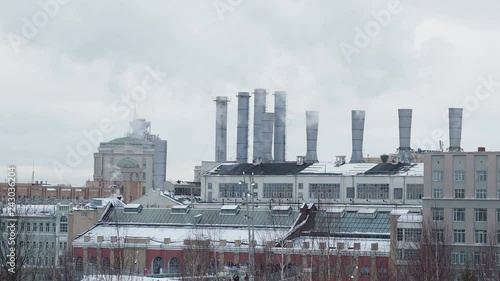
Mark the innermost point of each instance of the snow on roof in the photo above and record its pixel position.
(410, 218)
(332, 168)
(281, 208)
(230, 207)
(33, 210)
(400, 212)
(132, 206)
(156, 234)
(367, 211)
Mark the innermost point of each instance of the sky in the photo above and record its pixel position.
(72, 72)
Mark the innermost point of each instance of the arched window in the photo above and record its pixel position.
(173, 265)
(63, 224)
(79, 264)
(105, 265)
(157, 264)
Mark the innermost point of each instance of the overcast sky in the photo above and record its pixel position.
(64, 73)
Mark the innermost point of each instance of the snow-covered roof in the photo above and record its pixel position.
(410, 218)
(332, 168)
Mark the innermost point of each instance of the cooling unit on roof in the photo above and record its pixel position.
(180, 209)
(229, 209)
(281, 210)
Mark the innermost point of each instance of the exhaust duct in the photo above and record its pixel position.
(312, 121)
(242, 130)
(455, 119)
(279, 126)
(221, 128)
(358, 126)
(259, 110)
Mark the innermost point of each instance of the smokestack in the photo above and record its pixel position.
(259, 109)
(312, 120)
(221, 128)
(267, 136)
(404, 128)
(242, 133)
(455, 117)
(160, 163)
(358, 127)
(279, 126)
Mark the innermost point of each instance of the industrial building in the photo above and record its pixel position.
(140, 156)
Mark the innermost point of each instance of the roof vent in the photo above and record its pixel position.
(384, 158)
(229, 210)
(339, 160)
(257, 161)
(301, 160)
(481, 149)
(281, 210)
(180, 209)
(369, 213)
(133, 208)
(336, 212)
(395, 159)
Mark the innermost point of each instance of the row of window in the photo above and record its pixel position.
(35, 227)
(460, 175)
(321, 190)
(480, 215)
(478, 258)
(480, 236)
(40, 245)
(459, 193)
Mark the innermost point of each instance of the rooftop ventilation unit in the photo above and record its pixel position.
(281, 211)
(339, 160)
(301, 160)
(336, 212)
(180, 209)
(230, 210)
(370, 213)
(132, 208)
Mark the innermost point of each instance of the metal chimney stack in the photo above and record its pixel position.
(259, 110)
(279, 126)
(404, 150)
(312, 121)
(221, 128)
(455, 117)
(267, 136)
(242, 132)
(358, 127)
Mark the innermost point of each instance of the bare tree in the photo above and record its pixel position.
(429, 259)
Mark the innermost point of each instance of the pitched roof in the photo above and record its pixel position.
(287, 168)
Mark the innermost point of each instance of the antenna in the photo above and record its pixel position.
(33, 173)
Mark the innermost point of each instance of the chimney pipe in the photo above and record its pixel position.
(358, 127)
(242, 132)
(312, 120)
(404, 128)
(455, 126)
(267, 136)
(259, 109)
(221, 128)
(279, 126)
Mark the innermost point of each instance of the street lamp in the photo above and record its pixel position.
(251, 225)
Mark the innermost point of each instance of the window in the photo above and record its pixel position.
(40, 245)
(173, 265)
(35, 226)
(65, 245)
(301, 195)
(437, 175)
(400, 234)
(52, 245)
(498, 215)
(324, 190)
(458, 214)
(458, 235)
(480, 175)
(47, 245)
(365, 271)
(437, 214)
(459, 193)
(414, 191)
(301, 186)
(480, 215)
(63, 224)
(28, 227)
(233, 190)
(481, 193)
(398, 193)
(255, 185)
(373, 191)
(382, 272)
(458, 257)
(498, 175)
(47, 227)
(498, 237)
(278, 190)
(459, 175)
(480, 236)
(41, 227)
(437, 193)
(412, 234)
(438, 235)
(209, 185)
